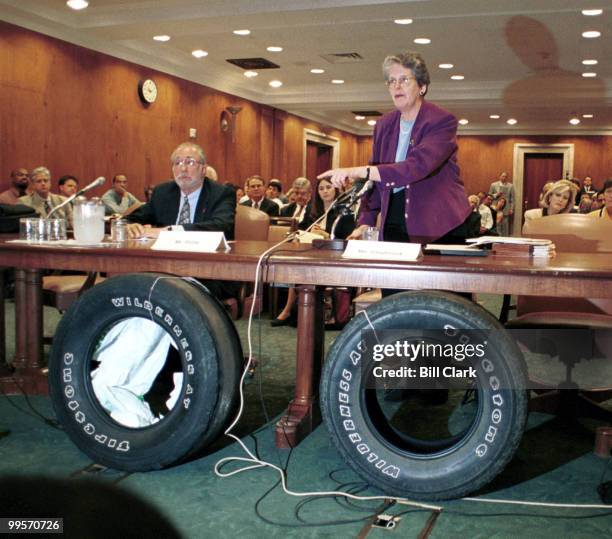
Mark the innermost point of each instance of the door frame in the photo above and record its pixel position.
(520, 152)
(310, 135)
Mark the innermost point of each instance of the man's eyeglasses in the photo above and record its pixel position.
(402, 81)
(188, 161)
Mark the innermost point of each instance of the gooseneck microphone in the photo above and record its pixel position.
(96, 183)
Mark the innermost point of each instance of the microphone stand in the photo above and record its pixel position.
(96, 183)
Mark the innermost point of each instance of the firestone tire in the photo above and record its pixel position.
(394, 464)
(210, 358)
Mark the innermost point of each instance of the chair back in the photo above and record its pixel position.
(251, 224)
(575, 233)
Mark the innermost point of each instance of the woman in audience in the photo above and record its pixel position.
(558, 199)
(545, 188)
(333, 223)
(499, 205)
(605, 210)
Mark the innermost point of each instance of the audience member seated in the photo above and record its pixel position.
(486, 219)
(211, 173)
(118, 200)
(559, 198)
(301, 191)
(275, 192)
(498, 206)
(148, 192)
(334, 223)
(67, 185)
(587, 188)
(42, 199)
(584, 205)
(605, 211)
(18, 188)
(257, 200)
(503, 187)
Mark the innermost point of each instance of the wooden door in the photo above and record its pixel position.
(318, 160)
(539, 169)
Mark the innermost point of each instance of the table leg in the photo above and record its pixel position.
(27, 362)
(303, 413)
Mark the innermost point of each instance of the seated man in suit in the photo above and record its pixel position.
(191, 200)
(303, 193)
(42, 199)
(256, 191)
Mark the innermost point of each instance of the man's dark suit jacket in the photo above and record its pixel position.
(216, 208)
(288, 210)
(267, 205)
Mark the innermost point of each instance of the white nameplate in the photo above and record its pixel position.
(192, 240)
(382, 250)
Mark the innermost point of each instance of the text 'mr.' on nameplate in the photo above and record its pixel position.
(382, 250)
(193, 241)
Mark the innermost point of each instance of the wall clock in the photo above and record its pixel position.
(147, 91)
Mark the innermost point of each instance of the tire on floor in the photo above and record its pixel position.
(398, 464)
(209, 357)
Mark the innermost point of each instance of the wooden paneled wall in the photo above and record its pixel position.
(77, 111)
(483, 158)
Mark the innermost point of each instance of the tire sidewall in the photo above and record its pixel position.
(485, 449)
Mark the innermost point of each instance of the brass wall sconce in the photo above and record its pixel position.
(228, 120)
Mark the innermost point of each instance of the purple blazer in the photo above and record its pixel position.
(435, 197)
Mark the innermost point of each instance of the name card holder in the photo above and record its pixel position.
(192, 241)
(383, 250)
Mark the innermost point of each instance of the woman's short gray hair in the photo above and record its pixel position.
(410, 60)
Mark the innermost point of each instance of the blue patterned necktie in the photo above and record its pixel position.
(185, 216)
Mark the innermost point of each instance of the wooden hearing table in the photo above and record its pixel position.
(566, 275)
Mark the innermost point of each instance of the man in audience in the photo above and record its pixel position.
(486, 217)
(587, 188)
(605, 211)
(118, 200)
(191, 200)
(275, 192)
(68, 185)
(42, 199)
(303, 193)
(256, 191)
(503, 187)
(18, 188)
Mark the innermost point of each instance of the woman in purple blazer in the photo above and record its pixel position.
(416, 185)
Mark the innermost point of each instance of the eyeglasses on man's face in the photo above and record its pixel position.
(402, 81)
(187, 161)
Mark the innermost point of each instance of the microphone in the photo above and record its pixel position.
(96, 183)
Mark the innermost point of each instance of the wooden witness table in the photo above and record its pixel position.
(566, 275)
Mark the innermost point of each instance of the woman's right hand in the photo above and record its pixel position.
(357, 233)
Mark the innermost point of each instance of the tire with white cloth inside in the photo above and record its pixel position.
(144, 371)
(413, 446)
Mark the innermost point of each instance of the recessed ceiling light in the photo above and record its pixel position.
(592, 12)
(317, 71)
(403, 21)
(274, 49)
(457, 77)
(446, 66)
(511, 121)
(371, 122)
(199, 53)
(589, 75)
(587, 115)
(464, 121)
(77, 4)
(591, 34)
(494, 116)
(337, 81)
(161, 38)
(250, 74)
(589, 62)
(244, 32)
(359, 117)
(574, 121)
(422, 40)
(275, 83)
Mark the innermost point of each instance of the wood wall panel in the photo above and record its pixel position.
(77, 111)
